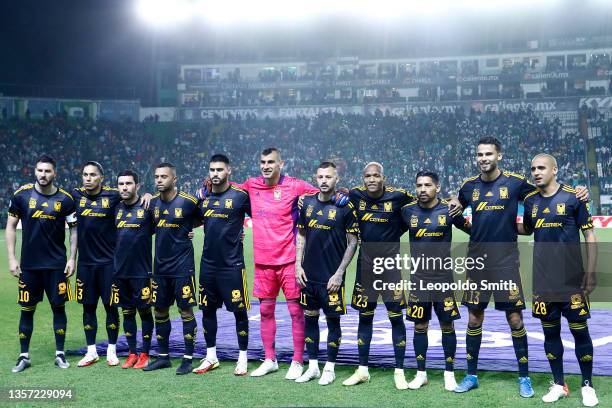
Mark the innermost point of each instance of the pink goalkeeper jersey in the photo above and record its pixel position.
(274, 214)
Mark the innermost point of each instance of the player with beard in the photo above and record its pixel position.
(176, 214)
(379, 215)
(222, 269)
(326, 243)
(274, 198)
(43, 209)
(131, 288)
(494, 196)
(430, 227)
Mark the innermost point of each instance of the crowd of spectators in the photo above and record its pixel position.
(438, 140)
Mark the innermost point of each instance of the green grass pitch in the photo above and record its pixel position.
(99, 385)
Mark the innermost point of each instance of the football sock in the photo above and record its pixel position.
(420, 341)
(312, 336)
(519, 341)
(190, 329)
(553, 347)
(146, 317)
(449, 345)
(268, 327)
(130, 328)
(584, 350)
(26, 326)
(90, 324)
(162, 330)
(242, 329)
(334, 338)
(59, 326)
(473, 338)
(398, 335)
(112, 323)
(297, 329)
(364, 336)
(209, 323)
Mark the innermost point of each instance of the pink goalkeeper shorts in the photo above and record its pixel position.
(269, 279)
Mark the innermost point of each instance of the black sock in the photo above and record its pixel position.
(26, 326)
(130, 328)
(90, 324)
(473, 338)
(112, 323)
(584, 350)
(449, 345)
(312, 336)
(553, 347)
(146, 317)
(242, 329)
(60, 321)
(334, 338)
(519, 341)
(162, 330)
(190, 329)
(398, 335)
(421, 343)
(209, 323)
(364, 336)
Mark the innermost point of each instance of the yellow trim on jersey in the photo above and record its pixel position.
(469, 179)
(409, 204)
(69, 290)
(361, 188)
(247, 300)
(188, 197)
(23, 188)
(534, 192)
(107, 188)
(443, 201)
(65, 192)
(568, 189)
(238, 189)
(510, 173)
(343, 300)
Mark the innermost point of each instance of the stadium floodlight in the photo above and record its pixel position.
(166, 12)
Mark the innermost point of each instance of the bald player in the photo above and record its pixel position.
(561, 285)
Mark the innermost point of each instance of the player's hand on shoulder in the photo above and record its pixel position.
(14, 268)
(341, 198)
(69, 270)
(205, 190)
(582, 194)
(454, 207)
(145, 200)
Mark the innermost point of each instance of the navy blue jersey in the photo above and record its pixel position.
(43, 222)
(223, 217)
(380, 219)
(556, 222)
(325, 226)
(494, 209)
(431, 234)
(96, 225)
(135, 226)
(173, 222)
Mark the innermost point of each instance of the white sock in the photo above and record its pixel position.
(421, 373)
(26, 355)
(162, 355)
(211, 354)
(242, 355)
(92, 349)
(363, 370)
(187, 357)
(329, 366)
(399, 370)
(313, 364)
(59, 353)
(111, 349)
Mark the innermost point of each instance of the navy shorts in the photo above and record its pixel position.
(94, 282)
(33, 284)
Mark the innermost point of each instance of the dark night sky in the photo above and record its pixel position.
(101, 43)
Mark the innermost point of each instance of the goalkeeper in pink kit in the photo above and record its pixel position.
(274, 199)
